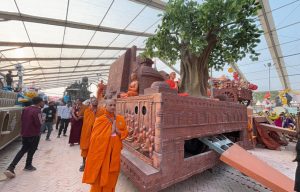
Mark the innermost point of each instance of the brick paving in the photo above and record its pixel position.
(57, 171)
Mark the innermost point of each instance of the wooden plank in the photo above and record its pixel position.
(278, 129)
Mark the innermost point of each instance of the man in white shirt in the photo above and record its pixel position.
(65, 116)
(58, 115)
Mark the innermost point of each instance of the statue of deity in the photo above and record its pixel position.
(133, 87)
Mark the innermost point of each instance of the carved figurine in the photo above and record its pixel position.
(100, 91)
(174, 84)
(130, 137)
(171, 81)
(146, 145)
(130, 127)
(136, 136)
(133, 87)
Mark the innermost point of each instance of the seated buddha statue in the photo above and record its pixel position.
(133, 87)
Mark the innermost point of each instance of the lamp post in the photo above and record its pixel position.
(269, 65)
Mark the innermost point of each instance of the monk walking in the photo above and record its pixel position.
(90, 114)
(76, 122)
(103, 160)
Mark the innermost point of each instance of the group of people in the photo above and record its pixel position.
(97, 128)
(284, 120)
(63, 114)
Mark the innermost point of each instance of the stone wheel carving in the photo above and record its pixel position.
(230, 95)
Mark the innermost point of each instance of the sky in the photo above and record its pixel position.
(124, 15)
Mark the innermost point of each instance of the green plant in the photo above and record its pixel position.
(203, 36)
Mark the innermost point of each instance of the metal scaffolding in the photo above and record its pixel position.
(50, 21)
(267, 23)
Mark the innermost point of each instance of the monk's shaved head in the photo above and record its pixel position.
(172, 75)
(94, 101)
(110, 105)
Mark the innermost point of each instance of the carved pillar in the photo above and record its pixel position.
(157, 156)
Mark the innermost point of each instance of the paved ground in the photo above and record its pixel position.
(58, 165)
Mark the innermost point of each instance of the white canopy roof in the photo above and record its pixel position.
(59, 41)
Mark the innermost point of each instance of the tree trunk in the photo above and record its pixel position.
(194, 70)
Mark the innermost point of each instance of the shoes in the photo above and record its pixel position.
(47, 139)
(9, 173)
(65, 135)
(71, 144)
(81, 169)
(58, 136)
(29, 168)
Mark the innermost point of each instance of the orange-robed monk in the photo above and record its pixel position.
(104, 156)
(173, 84)
(171, 81)
(90, 115)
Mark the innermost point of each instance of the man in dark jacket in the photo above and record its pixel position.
(50, 113)
(30, 132)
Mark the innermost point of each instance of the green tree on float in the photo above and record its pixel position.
(205, 35)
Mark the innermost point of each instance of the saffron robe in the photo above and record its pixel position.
(131, 90)
(88, 123)
(172, 85)
(104, 155)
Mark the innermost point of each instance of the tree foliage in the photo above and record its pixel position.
(190, 26)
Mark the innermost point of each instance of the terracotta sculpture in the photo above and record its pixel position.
(174, 84)
(145, 146)
(136, 136)
(130, 126)
(100, 91)
(171, 81)
(133, 87)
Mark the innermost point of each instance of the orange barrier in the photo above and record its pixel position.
(253, 167)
